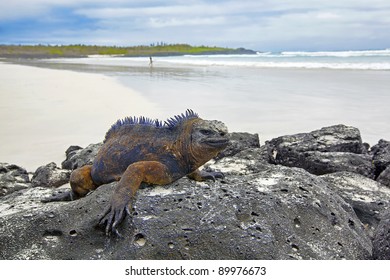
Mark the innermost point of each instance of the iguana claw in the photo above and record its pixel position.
(112, 217)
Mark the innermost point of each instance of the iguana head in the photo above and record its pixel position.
(208, 138)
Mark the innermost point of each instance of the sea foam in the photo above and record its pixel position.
(358, 60)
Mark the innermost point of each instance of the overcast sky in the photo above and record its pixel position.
(263, 25)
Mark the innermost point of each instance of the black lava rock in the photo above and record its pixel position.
(12, 178)
(271, 212)
(368, 198)
(381, 156)
(384, 177)
(77, 157)
(50, 176)
(330, 149)
(239, 141)
(381, 241)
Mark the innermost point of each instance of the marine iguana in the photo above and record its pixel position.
(142, 150)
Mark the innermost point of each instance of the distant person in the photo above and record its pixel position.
(150, 61)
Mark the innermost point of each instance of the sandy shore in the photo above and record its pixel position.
(44, 111)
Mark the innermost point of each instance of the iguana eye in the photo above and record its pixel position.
(206, 131)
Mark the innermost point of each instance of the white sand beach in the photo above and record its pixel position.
(44, 111)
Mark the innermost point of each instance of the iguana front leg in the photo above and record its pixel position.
(151, 172)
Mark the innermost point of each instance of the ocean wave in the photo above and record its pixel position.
(220, 55)
(360, 60)
(276, 64)
(385, 52)
(288, 54)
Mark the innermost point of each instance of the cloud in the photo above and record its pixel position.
(21, 9)
(262, 24)
(197, 21)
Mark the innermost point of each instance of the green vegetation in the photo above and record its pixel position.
(56, 52)
(160, 49)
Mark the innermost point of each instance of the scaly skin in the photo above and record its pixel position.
(138, 151)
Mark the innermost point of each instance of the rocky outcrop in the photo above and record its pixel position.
(330, 149)
(381, 241)
(368, 198)
(12, 178)
(273, 212)
(337, 138)
(384, 177)
(50, 176)
(77, 157)
(239, 141)
(381, 160)
(381, 156)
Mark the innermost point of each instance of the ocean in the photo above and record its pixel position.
(272, 94)
(354, 60)
(342, 60)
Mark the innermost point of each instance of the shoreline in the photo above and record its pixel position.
(38, 130)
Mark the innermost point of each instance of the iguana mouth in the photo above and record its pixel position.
(217, 142)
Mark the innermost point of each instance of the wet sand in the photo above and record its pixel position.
(274, 101)
(44, 111)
